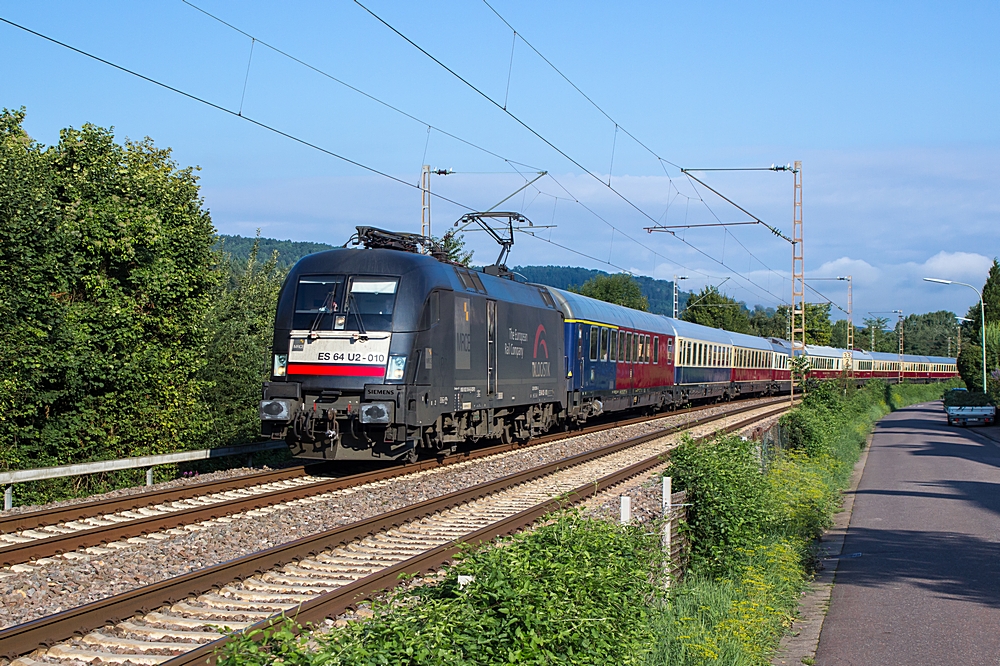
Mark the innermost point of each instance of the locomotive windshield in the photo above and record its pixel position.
(373, 299)
(316, 302)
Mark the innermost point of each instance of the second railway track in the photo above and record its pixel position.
(325, 574)
(37, 535)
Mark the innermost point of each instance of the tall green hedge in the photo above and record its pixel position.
(105, 279)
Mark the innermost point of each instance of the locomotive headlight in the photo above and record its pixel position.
(394, 371)
(275, 410)
(280, 365)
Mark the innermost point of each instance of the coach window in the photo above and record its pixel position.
(594, 340)
(613, 345)
(635, 348)
(604, 344)
(656, 350)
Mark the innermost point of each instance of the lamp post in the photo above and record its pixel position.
(674, 312)
(982, 316)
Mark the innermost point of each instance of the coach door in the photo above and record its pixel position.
(491, 346)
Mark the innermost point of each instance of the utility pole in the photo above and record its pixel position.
(425, 197)
(850, 324)
(798, 327)
(673, 313)
(900, 380)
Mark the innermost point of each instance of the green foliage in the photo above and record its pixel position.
(454, 247)
(620, 289)
(735, 619)
(965, 399)
(819, 328)
(709, 307)
(730, 507)
(573, 591)
(768, 323)
(991, 303)
(105, 280)
(288, 252)
(240, 322)
(751, 523)
(930, 334)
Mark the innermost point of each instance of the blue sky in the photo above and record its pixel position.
(892, 108)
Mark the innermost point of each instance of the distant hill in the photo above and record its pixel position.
(659, 293)
(288, 251)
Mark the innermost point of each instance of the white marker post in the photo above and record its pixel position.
(667, 518)
(626, 509)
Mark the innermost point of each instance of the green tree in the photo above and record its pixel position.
(620, 289)
(709, 307)
(768, 323)
(991, 303)
(454, 247)
(930, 334)
(970, 361)
(105, 278)
(819, 329)
(240, 325)
(838, 334)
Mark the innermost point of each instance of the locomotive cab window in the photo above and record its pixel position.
(317, 302)
(370, 300)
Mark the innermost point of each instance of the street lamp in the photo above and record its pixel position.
(676, 278)
(982, 313)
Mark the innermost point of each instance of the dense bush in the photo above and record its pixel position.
(122, 332)
(731, 508)
(574, 591)
(105, 278)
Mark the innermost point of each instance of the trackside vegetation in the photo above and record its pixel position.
(579, 590)
(122, 332)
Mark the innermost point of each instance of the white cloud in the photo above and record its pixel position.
(962, 266)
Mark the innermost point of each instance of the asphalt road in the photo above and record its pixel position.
(918, 581)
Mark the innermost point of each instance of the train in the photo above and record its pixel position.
(384, 353)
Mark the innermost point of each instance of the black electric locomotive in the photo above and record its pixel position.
(386, 354)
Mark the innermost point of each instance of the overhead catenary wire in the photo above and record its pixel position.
(509, 161)
(235, 114)
(238, 113)
(513, 163)
(355, 89)
(547, 142)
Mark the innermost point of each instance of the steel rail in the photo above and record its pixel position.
(25, 638)
(347, 597)
(40, 548)
(61, 514)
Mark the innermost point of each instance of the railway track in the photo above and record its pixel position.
(178, 621)
(30, 537)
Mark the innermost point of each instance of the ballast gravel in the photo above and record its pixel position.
(43, 588)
